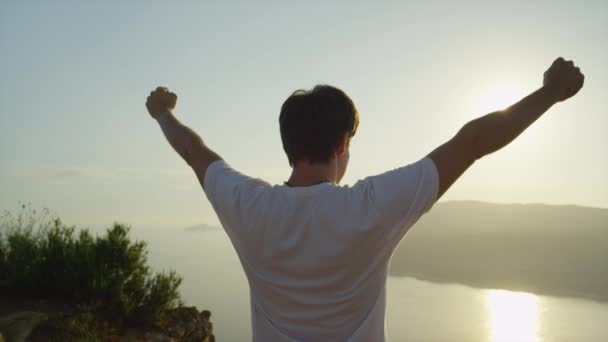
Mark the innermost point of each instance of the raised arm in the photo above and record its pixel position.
(184, 140)
(494, 131)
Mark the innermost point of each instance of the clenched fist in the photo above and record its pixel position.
(564, 79)
(161, 100)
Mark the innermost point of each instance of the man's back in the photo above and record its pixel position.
(317, 257)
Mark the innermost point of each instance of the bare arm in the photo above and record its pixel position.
(494, 131)
(184, 140)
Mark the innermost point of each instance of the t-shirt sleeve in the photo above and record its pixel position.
(230, 192)
(401, 196)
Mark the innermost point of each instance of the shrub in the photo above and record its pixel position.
(45, 258)
(81, 326)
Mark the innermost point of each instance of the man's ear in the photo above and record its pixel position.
(342, 145)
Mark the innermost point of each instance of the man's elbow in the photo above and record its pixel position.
(189, 147)
(469, 138)
(198, 155)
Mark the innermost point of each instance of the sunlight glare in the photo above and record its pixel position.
(513, 316)
(499, 97)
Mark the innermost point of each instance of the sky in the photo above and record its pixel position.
(76, 138)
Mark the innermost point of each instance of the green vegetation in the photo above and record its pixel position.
(83, 325)
(41, 257)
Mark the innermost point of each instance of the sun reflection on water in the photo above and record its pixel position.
(513, 316)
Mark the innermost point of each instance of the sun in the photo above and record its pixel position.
(499, 97)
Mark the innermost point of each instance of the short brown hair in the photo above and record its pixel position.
(313, 122)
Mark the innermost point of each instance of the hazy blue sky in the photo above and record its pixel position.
(76, 137)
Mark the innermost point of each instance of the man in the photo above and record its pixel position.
(317, 254)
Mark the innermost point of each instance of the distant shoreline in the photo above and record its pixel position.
(602, 299)
(547, 250)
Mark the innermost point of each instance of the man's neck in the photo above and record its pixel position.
(307, 174)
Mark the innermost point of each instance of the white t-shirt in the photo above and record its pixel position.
(317, 257)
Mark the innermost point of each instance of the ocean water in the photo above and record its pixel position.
(416, 310)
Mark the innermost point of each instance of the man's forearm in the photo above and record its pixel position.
(183, 139)
(494, 131)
